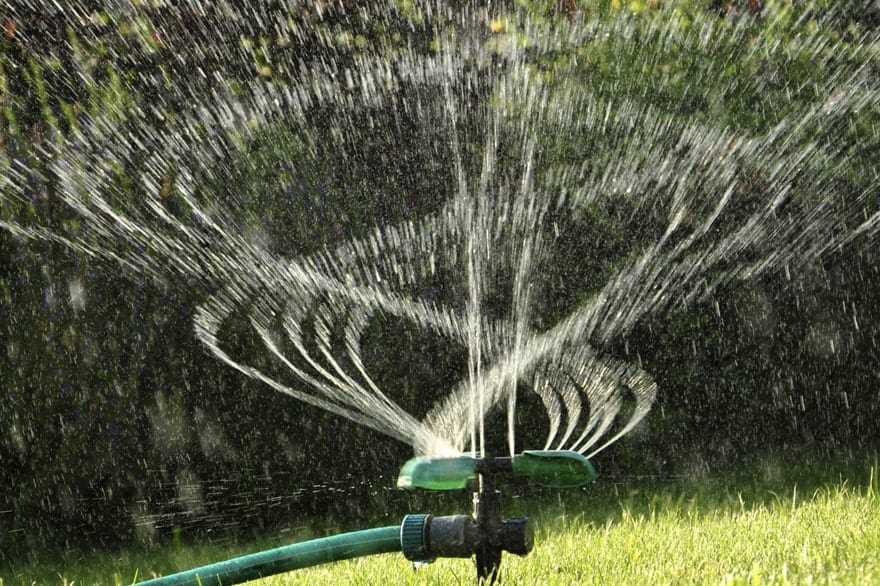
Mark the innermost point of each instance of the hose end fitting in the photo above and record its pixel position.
(414, 538)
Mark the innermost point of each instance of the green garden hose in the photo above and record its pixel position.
(287, 558)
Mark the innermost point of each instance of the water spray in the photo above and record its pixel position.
(422, 538)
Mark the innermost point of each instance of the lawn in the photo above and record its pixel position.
(831, 536)
(685, 531)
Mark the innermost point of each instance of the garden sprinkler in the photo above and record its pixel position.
(485, 534)
(421, 538)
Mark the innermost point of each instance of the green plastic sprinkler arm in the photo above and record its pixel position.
(441, 473)
(552, 468)
(287, 558)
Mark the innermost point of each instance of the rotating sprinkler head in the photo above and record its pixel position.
(485, 534)
(551, 468)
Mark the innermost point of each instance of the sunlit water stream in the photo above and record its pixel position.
(520, 153)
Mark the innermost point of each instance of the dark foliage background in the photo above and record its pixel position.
(113, 414)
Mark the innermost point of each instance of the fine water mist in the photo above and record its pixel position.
(311, 183)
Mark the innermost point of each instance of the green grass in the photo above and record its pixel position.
(830, 537)
(687, 532)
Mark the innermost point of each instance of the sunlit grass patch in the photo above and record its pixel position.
(829, 536)
(713, 531)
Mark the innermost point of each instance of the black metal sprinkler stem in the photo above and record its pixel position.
(496, 535)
